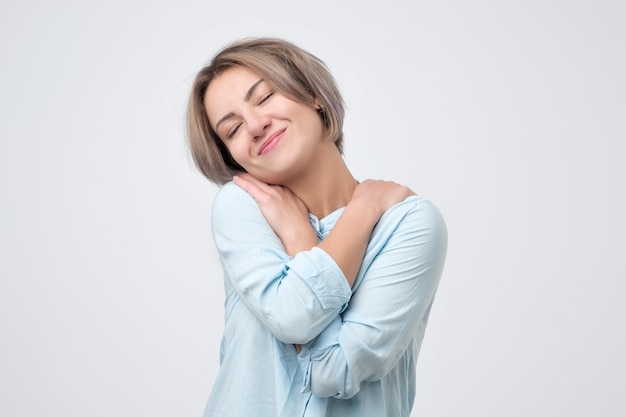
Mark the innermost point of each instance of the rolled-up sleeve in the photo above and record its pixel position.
(390, 305)
(295, 298)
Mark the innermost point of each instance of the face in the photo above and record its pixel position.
(271, 136)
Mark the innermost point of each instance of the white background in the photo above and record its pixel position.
(509, 115)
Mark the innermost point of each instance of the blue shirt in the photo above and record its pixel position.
(360, 345)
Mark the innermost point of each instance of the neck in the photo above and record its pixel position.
(328, 187)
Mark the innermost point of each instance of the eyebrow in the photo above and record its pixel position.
(246, 99)
(251, 90)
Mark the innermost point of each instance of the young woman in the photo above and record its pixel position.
(329, 281)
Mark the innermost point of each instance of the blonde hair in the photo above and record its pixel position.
(294, 72)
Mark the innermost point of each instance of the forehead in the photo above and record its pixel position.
(228, 88)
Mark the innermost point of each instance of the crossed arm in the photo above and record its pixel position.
(299, 288)
(346, 244)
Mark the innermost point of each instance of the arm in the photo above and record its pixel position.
(295, 298)
(389, 307)
(347, 242)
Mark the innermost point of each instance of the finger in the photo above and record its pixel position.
(251, 185)
(246, 177)
(261, 184)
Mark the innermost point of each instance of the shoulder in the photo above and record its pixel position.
(417, 211)
(232, 202)
(230, 197)
(415, 222)
(230, 192)
(237, 221)
(414, 217)
(418, 231)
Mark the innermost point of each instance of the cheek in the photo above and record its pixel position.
(314, 124)
(237, 152)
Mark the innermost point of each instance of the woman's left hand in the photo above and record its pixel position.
(283, 210)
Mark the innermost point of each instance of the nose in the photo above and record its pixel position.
(258, 124)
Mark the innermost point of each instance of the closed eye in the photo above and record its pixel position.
(232, 131)
(265, 97)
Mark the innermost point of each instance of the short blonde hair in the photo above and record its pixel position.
(294, 72)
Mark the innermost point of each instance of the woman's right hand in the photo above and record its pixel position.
(380, 195)
(348, 240)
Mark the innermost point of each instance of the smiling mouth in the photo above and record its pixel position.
(271, 141)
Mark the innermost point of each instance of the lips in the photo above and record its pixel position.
(271, 141)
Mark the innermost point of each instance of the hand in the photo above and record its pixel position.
(380, 195)
(283, 210)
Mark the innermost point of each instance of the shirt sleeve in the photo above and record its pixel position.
(295, 298)
(388, 309)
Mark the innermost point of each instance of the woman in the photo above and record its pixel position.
(328, 281)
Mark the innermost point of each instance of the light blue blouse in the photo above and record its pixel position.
(360, 345)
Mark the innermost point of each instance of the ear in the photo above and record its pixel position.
(321, 110)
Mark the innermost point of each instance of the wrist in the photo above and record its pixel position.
(367, 213)
(298, 240)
